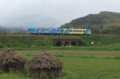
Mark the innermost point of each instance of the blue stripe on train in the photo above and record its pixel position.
(68, 31)
(87, 31)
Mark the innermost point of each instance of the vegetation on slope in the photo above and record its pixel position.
(101, 42)
(98, 23)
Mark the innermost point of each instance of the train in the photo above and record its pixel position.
(59, 31)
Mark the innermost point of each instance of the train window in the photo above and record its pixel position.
(48, 30)
(59, 30)
(83, 30)
(32, 30)
(54, 30)
(39, 30)
(29, 29)
(80, 30)
(45, 30)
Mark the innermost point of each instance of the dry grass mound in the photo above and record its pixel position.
(10, 61)
(45, 66)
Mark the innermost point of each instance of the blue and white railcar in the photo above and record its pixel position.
(45, 30)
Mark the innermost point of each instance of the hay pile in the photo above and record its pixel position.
(45, 66)
(10, 61)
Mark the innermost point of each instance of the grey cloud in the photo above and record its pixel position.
(50, 13)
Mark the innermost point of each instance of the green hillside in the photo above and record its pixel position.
(103, 22)
(102, 42)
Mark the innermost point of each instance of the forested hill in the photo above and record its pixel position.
(103, 22)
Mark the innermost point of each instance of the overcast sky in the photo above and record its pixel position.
(50, 13)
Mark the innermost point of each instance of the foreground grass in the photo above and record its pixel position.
(79, 64)
(31, 53)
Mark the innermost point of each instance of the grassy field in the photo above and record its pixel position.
(78, 64)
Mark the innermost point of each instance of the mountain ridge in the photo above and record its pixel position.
(95, 22)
